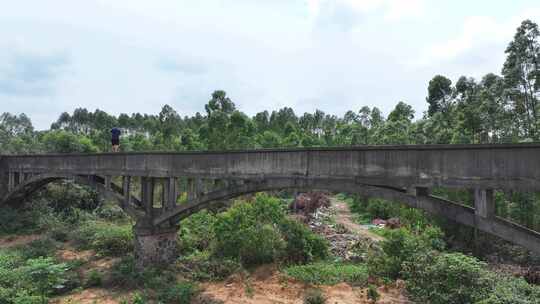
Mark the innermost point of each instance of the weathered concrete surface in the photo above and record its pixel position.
(467, 166)
(399, 173)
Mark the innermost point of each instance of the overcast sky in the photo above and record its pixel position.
(334, 55)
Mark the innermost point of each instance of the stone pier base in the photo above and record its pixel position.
(155, 247)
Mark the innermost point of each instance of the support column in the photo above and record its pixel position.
(154, 246)
(190, 189)
(11, 181)
(484, 205)
(484, 208)
(170, 193)
(147, 194)
(126, 189)
(3, 182)
(108, 180)
(20, 178)
(199, 191)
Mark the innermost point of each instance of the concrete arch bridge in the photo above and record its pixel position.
(399, 173)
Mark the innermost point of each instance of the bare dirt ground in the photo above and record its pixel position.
(344, 217)
(268, 286)
(17, 240)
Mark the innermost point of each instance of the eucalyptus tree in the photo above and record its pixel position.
(521, 72)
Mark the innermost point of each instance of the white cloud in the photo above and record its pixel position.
(477, 32)
(389, 10)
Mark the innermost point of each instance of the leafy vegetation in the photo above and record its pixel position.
(105, 238)
(314, 296)
(494, 109)
(329, 273)
(258, 232)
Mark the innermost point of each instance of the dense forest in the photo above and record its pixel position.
(494, 109)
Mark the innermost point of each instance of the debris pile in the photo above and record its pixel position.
(343, 243)
(308, 203)
(391, 223)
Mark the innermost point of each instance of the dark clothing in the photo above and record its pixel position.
(115, 132)
(115, 141)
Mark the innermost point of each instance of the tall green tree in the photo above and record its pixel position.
(439, 94)
(521, 73)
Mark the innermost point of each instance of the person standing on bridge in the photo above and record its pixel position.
(115, 139)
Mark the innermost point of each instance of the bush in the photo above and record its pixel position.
(400, 246)
(17, 221)
(43, 247)
(95, 278)
(447, 278)
(180, 293)
(314, 296)
(259, 232)
(67, 197)
(111, 212)
(124, 273)
(249, 232)
(201, 267)
(196, 232)
(512, 291)
(383, 209)
(42, 276)
(302, 244)
(372, 293)
(329, 273)
(105, 238)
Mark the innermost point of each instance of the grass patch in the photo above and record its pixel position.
(329, 273)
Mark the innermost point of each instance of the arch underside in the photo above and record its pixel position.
(33, 184)
(456, 212)
(169, 216)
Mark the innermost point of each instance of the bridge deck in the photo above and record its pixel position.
(508, 166)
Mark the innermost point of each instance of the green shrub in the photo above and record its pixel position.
(18, 221)
(138, 298)
(42, 276)
(179, 293)
(400, 246)
(248, 231)
(196, 232)
(329, 273)
(372, 293)
(105, 238)
(447, 278)
(302, 244)
(124, 274)
(111, 212)
(259, 232)
(509, 290)
(202, 267)
(95, 278)
(43, 247)
(314, 296)
(379, 208)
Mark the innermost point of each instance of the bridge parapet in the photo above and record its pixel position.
(485, 166)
